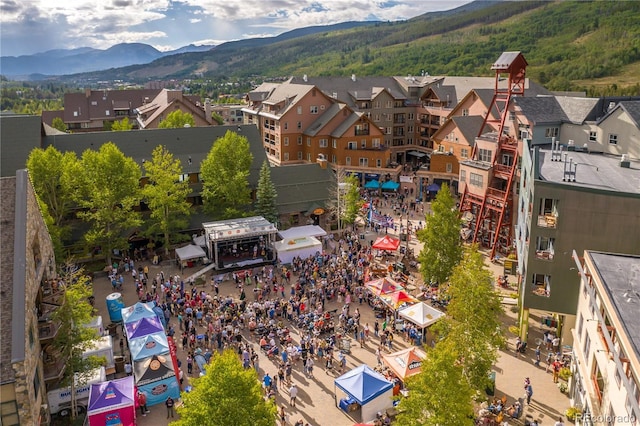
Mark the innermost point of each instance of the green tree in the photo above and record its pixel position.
(165, 194)
(441, 239)
(74, 337)
(227, 395)
(472, 324)
(108, 190)
(177, 119)
(439, 395)
(217, 118)
(225, 171)
(352, 200)
(122, 125)
(57, 123)
(266, 195)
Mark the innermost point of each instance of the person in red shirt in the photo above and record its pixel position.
(142, 403)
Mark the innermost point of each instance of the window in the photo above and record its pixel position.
(308, 141)
(299, 110)
(75, 113)
(580, 325)
(376, 117)
(107, 113)
(449, 167)
(475, 180)
(313, 109)
(352, 145)
(388, 130)
(463, 175)
(440, 148)
(334, 143)
(364, 162)
(286, 156)
(286, 125)
(464, 153)
(551, 132)
(299, 125)
(347, 161)
(465, 112)
(485, 155)
(363, 143)
(9, 413)
(333, 159)
(593, 137)
(613, 139)
(36, 382)
(378, 163)
(324, 143)
(541, 285)
(410, 116)
(286, 141)
(375, 143)
(299, 155)
(299, 140)
(409, 129)
(544, 248)
(308, 156)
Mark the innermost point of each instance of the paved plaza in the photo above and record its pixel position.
(317, 398)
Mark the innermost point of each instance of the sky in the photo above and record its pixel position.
(32, 26)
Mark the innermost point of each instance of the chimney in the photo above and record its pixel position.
(353, 77)
(624, 163)
(207, 111)
(87, 92)
(304, 78)
(322, 161)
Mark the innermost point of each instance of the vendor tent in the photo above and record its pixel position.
(301, 247)
(138, 311)
(421, 314)
(112, 403)
(147, 346)
(152, 369)
(372, 184)
(383, 285)
(398, 298)
(372, 391)
(142, 327)
(405, 363)
(190, 252)
(302, 231)
(390, 185)
(386, 243)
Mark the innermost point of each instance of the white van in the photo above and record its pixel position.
(60, 399)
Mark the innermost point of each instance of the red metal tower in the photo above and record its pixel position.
(491, 206)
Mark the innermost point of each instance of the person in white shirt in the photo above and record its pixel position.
(559, 422)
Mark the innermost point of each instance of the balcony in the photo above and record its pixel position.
(544, 254)
(47, 331)
(502, 171)
(547, 221)
(53, 367)
(362, 132)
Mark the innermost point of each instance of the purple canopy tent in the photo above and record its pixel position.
(112, 402)
(143, 327)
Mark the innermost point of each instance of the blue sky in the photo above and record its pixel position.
(32, 26)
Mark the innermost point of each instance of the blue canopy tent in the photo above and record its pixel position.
(138, 311)
(390, 185)
(434, 187)
(149, 345)
(367, 389)
(372, 184)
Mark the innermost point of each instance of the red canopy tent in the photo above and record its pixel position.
(383, 285)
(398, 298)
(386, 243)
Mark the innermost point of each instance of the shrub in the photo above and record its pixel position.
(564, 373)
(572, 413)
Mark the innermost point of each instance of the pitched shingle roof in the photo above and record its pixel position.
(19, 134)
(469, 126)
(301, 186)
(577, 110)
(542, 109)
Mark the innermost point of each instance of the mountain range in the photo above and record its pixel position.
(568, 44)
(86, 59)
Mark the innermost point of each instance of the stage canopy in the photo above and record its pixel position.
(405, 363)
(383, 285)
(152, 369)
(234, 229)
(390, 185)
(398, 298)
(386, 243)
(189, 252)
(372, 184)
(137, 312)
(148, 346)
(142, 327)
(112, 402)
(421, 314)
(303, 231)
(363, 384)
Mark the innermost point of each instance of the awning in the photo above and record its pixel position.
(390, 185)
(372, 184)
(417, 154)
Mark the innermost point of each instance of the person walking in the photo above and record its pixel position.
(537, 363)
(528, 392)
(293, 395)
(283, 416)
(142, 403)
(169, 403)
(559, 422)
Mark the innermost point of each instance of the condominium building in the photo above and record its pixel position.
(606, 364)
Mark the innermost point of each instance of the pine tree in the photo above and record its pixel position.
(266, 195)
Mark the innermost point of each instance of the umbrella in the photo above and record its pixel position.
(398, 298)
(383, 286)
(386, 243)
(434, 187)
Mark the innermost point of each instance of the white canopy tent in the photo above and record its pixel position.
(190, 252)
(421, 314)
(303, 231)
(301, 247)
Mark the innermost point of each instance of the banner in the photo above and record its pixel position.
(173, 352)
(380, 219)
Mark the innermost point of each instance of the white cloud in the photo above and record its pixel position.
(29, 26)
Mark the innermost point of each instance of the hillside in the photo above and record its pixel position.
(563, 41)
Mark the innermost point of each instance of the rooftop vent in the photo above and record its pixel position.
(304, 78)
(353, 77)
(624, 162)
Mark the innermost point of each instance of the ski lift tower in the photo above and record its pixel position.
(488, 176)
